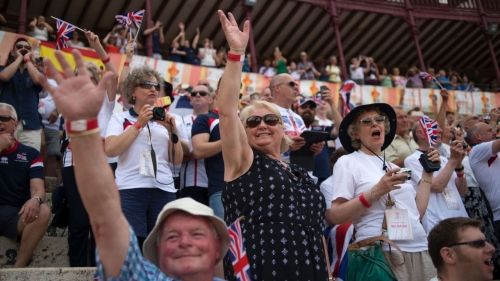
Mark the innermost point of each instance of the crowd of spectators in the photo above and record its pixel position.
(125, 172)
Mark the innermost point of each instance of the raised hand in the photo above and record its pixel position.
(129, 50)
(92, 38)
(236, 38)
(444, 94)
(145, 115)
(74, 91)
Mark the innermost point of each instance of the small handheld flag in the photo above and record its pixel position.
(345, 92)
(124, 19)
(64, 31)
(430, 128)
(427, 77)
(137, 17)
(237, 253)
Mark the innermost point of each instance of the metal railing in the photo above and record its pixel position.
(464, 5)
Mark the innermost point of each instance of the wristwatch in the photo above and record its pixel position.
(38, 199)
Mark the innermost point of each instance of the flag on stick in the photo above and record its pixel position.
(237, 252)
(64, 31)
(345, 92)
(124, 19)
(427, 77)
(137, 17)
(430, 128)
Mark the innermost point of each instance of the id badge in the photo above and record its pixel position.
(451, 199)
(398, 224)
(146, 165)
(41, 108)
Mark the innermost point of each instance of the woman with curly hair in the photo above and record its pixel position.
(144, 148)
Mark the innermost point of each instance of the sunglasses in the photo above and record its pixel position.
(20, 46)
(269, 119)
(291, 84)
(475, 244)
(148, 84)
(368, 120)
(202, 93)
(6, 118)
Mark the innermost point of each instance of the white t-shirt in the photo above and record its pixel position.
(193, 172)
(181, 133)
(208, 60)
(40, 34)
(326, 187)
(46, 105)
(269, 72)
(357, 73)
(103, 120)
(294, 126)
(469, 174)
(436, 209)
(127, 172)
(326, 122)
(486, 168)
(295, 75)
(351, 179)
(444, 150)
(78, 44)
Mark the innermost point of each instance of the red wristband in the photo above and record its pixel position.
(461, 175)
(137, 126)
(363, 201)
(106, 60)
(126, 63)
(79, 126)
(27, 60)
(234, 57)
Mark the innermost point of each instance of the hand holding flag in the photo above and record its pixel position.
(237, 252)
(430, 128)
(427, 77)
(64, 31)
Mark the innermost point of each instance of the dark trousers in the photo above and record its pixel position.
(78, 224)
(199, 194)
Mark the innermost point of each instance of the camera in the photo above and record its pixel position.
(428, 165)
(464, 145)
(406, 171)
(159, 113)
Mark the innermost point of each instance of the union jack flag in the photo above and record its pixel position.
(426, 76)
(124, 19)
(345, 92)
(64, 31)
(137, 17)
(430, 128)
(237, 253)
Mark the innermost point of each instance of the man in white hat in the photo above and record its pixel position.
(187, 240)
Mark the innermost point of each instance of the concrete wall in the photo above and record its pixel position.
(50, 252)
(48, 274)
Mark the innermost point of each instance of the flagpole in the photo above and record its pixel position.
(438, 83)
(68, 22)
(138, 29)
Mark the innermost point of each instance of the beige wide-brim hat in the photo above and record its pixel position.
(194, 208)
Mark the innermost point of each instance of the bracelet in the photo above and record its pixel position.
(363, 201)
(82, 134)
(27, 60)
(459, 169)
(234, 57)
(460, 175)
(81, 126)
(126, 63)
(105, 61)
(429, 182)
(137, 126)
(238, 50)
(135, 133)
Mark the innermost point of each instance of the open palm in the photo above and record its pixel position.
(236, 38)
(76, 97)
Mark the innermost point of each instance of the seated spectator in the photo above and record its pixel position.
(207, 54)
(372, 75)
(40, 29)
(190, 49)
(403, 144)
(306, 68)
(20, 88)
(279, 62)
(384, 78)
(292, 70)
(267, 70)
(459, 251)
(357, 72)
(413, 77)
(24, 216)
(111, 44)
(398, 80)
(267, 96)
(333, 71)
(74, 42)
(444, 81)
(156, 31)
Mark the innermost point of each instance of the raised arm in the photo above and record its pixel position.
(129, 54)
(32, 24)
(11, 69)
(424, 189)
(94, 178)
(337, 118)
(49, 28)
(235, 148)
(194, 44)
(441, 115)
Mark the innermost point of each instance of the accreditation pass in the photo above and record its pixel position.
(398, 224)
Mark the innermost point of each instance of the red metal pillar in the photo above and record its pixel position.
(253, 52)
(336, 24)
(21, 28)
(484, 22)
(415, 32)
(149, 38)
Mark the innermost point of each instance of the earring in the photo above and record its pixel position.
(133, 98)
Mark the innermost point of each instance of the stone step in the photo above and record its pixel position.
(48, 274)
(50, 252)
(50, 183)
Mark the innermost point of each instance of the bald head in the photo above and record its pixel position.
(479, 133)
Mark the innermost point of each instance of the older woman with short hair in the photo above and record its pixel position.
(144, 148)
(283, 210)
(367, 187)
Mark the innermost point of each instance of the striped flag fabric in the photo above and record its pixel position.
(124, 19)
(426, 76)
(345, 92)
(137, 17)
(237, 253)
(338, 239)
(430, 128)
(64, 31)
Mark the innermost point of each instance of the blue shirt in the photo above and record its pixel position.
(446, 86)
(18, 166)
(190, 57)
(22, 94)
(209, 124)
(156, 42)
(136, 267)
(322, 160)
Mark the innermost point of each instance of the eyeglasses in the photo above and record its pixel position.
(291, 84)
(368, 120)
(269, 119)
(202, 93)
(6, 118)
(476, 243)
(148, 84)
(20, 46)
